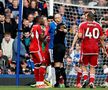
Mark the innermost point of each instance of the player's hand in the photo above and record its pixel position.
(26, 55)
(65, 30)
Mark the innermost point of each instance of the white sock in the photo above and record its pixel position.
(49, 73)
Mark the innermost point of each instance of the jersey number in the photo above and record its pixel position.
(95, 33)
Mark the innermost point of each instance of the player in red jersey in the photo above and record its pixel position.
(79, 71)
(91, 34)
(37, 54)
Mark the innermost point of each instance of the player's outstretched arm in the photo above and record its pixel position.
(74, 42)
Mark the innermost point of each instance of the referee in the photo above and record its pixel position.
(59, 52)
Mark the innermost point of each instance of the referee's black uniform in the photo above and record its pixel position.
(59, 44)
(59, 52)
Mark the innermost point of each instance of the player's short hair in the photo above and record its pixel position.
(61, 25)
(57, 15)
(37, 19)
(90, 15)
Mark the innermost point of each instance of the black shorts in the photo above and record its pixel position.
(59, 52)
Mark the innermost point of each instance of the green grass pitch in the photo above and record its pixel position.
(29, 88)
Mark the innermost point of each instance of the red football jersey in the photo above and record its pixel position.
(92, 32)
(35, 44)
(106, 32)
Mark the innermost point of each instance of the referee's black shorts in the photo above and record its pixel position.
(59, 52)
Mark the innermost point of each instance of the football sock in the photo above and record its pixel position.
(63, 73)
(92, 78)
(79, 75)
(57, 72)
(106, 79)
(36, 74)
(49, 73)
(85, 75)
(42, 71)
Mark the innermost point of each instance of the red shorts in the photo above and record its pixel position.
(46, 55)
(89, 59)
(38, 57)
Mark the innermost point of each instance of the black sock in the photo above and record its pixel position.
(63, 73)
(57, 72)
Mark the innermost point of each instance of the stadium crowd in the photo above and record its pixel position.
(9, 15)
(86, 2)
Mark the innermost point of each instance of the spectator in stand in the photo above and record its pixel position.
(27, 71)
(8, 3)
(30, 19)
(3, 61)
(25, 8)
(12, 64)
(75, 55)
(64, 19)
(24, 67)
(45, 7)
(7, 25)
(35, 14)
(105, 71)
(6, 45)
(104, 21)
(26, 25)
(3, 1)
(70, 35)
(1, 8)
(93, 3)
(40, 6)
(8, 13)
(33, 7)
(102, 3)
(10, 26)
(1, 71)
(23, 52)
(15, 8)
(81, 9)
(2, 30)
(30, 64)
(68, 1)
(11, 71)
(26, 40)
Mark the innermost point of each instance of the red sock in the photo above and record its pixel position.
(36, 74)
(79, 74)
(42, 72)
(85, 75)
(106, 79)
(92, 78)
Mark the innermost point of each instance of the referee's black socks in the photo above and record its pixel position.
(58, 73)
(63, 73)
